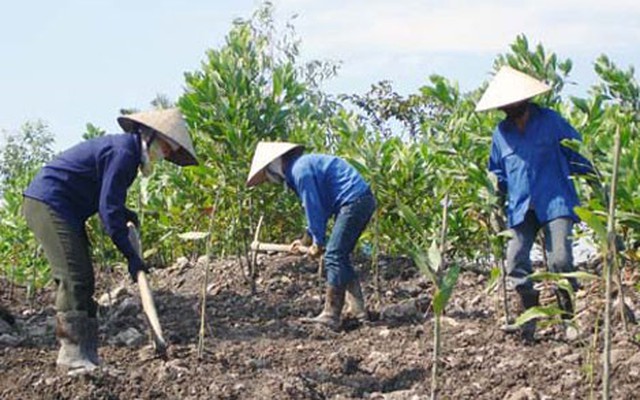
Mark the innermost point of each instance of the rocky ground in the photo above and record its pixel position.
(255, 348)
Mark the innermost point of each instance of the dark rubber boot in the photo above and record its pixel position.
(92, 342)
(354, 300)
(565, 303)
(529, 298)
(77, 339)
(333, 304)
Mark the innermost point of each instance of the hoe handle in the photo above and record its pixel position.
(148, 305)
(280, 248)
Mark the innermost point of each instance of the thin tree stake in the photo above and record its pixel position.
(436, 322)
(611, 254)
(505, 301)
(254, 259)
(203, 306)
(621, 302)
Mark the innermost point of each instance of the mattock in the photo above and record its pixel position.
(258, 246)
(149, 307)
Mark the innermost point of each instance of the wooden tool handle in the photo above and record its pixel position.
(149, 308)
(148, 305)
(282, 248)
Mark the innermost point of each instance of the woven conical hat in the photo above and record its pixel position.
(510, 86)
(171, 126)
(265, 153)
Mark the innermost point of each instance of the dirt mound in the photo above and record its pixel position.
(255, 348)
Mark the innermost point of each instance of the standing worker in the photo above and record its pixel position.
(91, 177)
(533, 170)
(327, 186)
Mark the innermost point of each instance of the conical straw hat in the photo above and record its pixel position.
(510, 86)
(171, 126)
(265, 153)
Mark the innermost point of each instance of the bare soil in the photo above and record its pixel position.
(256, 348)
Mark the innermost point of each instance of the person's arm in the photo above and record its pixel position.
(119, 169)
(578, 164)
(317, 217)
(496, 167)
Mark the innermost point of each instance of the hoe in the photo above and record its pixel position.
(148, 305)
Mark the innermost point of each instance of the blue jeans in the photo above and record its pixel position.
(557, 236)
(350, 222)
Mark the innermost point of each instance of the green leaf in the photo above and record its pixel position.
(540, 312)
(435, 258)
(149, 252)
(443, 293)
(564, 284)
(581, 104)
(558, 276)
(410, 217)
(193, 235)
(594, 223)
(494, 276)
(420, 258)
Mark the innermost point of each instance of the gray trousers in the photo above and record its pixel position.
(557, 235)
(67, 251)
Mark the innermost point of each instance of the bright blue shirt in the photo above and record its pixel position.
(534, 169)
(91, 177)
(324, 184)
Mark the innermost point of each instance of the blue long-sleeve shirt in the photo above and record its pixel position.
(533, 167)
(324, 184)
(91, 177)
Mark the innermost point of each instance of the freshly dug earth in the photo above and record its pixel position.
(255, 347)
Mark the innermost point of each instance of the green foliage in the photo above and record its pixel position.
(23, 155)
(538, 63)
(595, 223)
(92, 132)
(559, 276)
(549, 314)
(443, 292)
(162, 101)
(494, 276)
(250, 89)
(614, 105)
(552, 314)
(413, 149)
(430, 262)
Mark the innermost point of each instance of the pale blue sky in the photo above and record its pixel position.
(69, 62)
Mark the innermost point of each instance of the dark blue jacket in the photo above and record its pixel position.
(91, 177)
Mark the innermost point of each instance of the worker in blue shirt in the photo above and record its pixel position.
(533, 170)
(327, 186)
(93, 177)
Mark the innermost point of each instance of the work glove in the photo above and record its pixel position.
(315, 251)
(136, 264)
(305, 241)
(294, 247)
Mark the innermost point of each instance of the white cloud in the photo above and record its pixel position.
(409, 26)
(405, 41)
